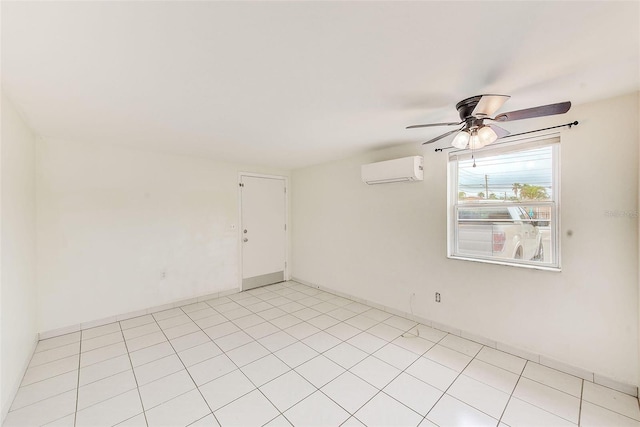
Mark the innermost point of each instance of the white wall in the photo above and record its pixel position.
(112, 220)
(18, 305)
(382, 243)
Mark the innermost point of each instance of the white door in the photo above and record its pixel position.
(263, 230)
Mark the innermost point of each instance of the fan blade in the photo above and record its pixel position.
(529, 113)
(499, 131)
(488, 105)
(444, 135)
(433, 124)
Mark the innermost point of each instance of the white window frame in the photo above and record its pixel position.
(552, 140)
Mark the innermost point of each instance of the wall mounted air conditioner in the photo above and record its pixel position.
(397, 170)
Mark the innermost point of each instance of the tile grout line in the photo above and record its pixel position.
(115, 395)
(51, 361)
(100, 348)
(378, 391)
(64, 357)
(453, 382)
(557, 389)
(434, 361)
(140, 325)
(53, 349)
(104, 346)
(199, 419)
(36, 351)
(496, 366)
(241, 371)
(75, 413)
(48, 378)
(568, 394)
(280, 413)
(546, 410)
(402, 371)
(359, 377)
(317, 389)
(187, 371)
(512, 391)
(110, 358)
(581, 400)
(635, 420)
(42, 400)
(44, 379)
(262, 337)
(278, 376)
(135, 378)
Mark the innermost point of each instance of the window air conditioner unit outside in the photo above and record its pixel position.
(406, 169)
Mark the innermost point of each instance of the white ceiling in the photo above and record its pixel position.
(290, 84)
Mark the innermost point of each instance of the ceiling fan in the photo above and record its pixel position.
(476, 110)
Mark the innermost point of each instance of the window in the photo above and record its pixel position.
(503, 204)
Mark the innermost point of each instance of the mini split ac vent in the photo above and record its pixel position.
(406, 169)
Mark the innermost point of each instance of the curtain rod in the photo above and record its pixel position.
(575, 123)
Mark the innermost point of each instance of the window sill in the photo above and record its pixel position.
(557, 269)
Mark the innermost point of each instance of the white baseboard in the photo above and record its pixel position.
(124, 316)
(8, 400)
(538, 358)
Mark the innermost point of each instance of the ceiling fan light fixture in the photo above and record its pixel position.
(486, 135)
(461, 140)
(475, 142)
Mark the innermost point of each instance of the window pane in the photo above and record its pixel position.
(514, 176)
(506, 232)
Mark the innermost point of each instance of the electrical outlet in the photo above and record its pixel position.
(437, 296)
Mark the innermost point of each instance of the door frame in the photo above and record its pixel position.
(286, 220)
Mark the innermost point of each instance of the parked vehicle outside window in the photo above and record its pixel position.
(500, 232)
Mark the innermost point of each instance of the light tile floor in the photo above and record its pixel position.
(288, 354)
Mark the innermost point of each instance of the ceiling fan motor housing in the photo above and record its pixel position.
(466, 106)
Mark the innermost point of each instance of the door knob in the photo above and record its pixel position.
(245, 239)
(245, 231)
